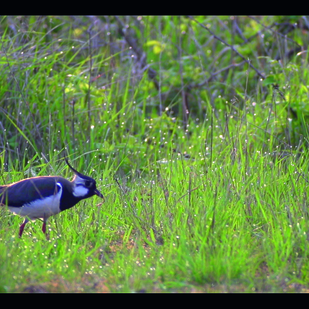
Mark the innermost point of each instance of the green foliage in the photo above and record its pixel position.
(203, 165)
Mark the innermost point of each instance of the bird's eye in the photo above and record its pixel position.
(88, 183)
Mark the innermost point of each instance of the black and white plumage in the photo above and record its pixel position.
(45, 196)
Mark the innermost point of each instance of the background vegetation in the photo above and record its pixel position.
(196, 130)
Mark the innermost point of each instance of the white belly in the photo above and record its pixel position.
(40, 208)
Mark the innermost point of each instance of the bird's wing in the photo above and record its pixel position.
(28, 190)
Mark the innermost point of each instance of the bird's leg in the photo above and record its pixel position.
(21, 228)
(44, 227)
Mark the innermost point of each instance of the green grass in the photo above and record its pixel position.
(184, 227)
(218, 204)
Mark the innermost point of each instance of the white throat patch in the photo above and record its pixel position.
(79, 188)
(80, 191)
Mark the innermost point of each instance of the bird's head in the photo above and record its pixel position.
(84, 186)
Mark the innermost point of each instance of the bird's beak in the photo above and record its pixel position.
(98, 193)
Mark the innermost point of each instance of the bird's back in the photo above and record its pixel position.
(20, 193)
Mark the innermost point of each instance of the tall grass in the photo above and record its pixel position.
(216, 205)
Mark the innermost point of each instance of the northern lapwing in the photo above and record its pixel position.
(45, 196)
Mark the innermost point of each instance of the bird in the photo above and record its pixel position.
(44, 196)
